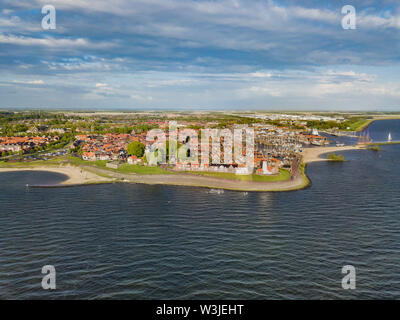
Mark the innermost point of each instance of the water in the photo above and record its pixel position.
(379, 130)
(165, 242)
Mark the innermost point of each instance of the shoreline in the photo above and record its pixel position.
(313, 154)
(78, 176)
(75, 175)
(379, 118)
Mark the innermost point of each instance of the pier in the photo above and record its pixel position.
(350, 134)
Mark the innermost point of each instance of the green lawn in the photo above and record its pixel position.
(282, 176)
(359, 125)
(30, 164)
(124, 168)
(131, 168)
(78, 161)
(385, 143)
(335, 157)
(138, 169)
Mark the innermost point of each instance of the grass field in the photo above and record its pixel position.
(140, 170)
(124, 168)
(335, 157)
(78, 161)
(131, 168)
(360, 125)
(32, 164)
(385, 143)
(282, 176)
(363, 123)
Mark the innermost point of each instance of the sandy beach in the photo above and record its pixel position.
(75, 175)
(314, 154)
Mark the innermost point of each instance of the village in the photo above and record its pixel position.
(21, 145)
(278, 146)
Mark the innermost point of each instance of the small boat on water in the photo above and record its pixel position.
(390, 137)
(316, 143)
(216, 191)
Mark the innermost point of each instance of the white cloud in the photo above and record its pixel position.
(172, 82)
(57, 43)
(273, 92)
(10, 22)
(37, 82)
(141, 98)
(261, 74)
(7, 11)
(331, 76)
(314, 14)
(376, 21)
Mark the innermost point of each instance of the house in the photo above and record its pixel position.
(89, 156)
(57, 130)
(134, 160)
(243, 171)
(104, 156)
(16, 144)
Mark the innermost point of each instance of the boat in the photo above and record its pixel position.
(216, 191)
(316, 143)
(315, 132)
(390, 137)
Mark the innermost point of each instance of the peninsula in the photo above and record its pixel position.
(101, 147)
(77, 174)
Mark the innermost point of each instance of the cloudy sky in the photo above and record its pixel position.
(200, 54)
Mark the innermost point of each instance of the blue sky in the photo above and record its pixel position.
(195, 54)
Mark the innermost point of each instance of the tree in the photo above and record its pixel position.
(136, 148)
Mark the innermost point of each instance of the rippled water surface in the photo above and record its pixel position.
(147, 242)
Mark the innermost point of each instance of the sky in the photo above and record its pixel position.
(200, 55)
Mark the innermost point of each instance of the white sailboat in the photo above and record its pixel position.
(390, 137)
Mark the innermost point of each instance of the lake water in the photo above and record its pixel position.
(165, 242)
